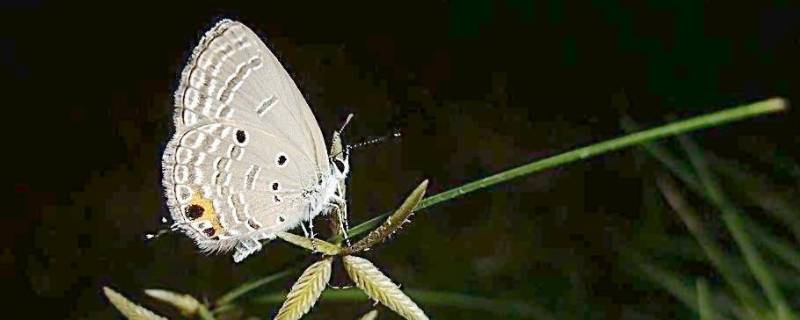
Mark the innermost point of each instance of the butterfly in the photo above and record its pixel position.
(248, 159)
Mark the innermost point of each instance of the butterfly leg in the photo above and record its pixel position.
(310, 232)
(339, 210)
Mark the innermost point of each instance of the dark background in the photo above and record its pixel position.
(475, 86)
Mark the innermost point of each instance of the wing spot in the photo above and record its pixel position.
(181, 174)
(251, 176)
(253, 224)
(183, 155)
(281, 159)
(194, 211)
(236, 80)
(235, 152)
(241, 137)
(209, 232)
(266, 105)
(275, 186)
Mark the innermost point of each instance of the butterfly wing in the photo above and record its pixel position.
(246, 145)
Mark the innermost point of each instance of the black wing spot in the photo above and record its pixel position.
(275, 186)
(194, 211)
(281, 160)
(281, 219)
(241, 136)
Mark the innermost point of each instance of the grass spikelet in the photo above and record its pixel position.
(393, 223)
(187, 304)
(306, 291)
(380, 288)
(318, 245)
(129, 309)
(372, 315)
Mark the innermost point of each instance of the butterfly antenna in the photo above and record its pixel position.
(346, 122)
(395, 134)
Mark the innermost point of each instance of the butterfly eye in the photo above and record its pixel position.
(339, 165)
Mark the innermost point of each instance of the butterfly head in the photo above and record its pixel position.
(340, 156)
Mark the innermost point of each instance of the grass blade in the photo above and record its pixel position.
(715, 254)
(733, 222)
(250, 286)
(671, 129)
(129, 309)
(380, 288)
(315, 245)
(704, 300)
(306, 291)
(188, 305)
(782, 249)
(393, 223)
(435, 298)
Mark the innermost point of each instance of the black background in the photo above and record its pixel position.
(475, 86)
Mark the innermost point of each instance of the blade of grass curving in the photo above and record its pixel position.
(670, 281)
(715, 254)
(187, 304)
(683, 291)
(433, 298)
(699, 122)
(315, 245)
(381, 288)
(704, 300)
(732, 219)
(252, 285)
(464, 301)
(678, 167)
(392, 224)
(306, 291)
(128, 308)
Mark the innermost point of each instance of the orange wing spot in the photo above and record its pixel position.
(209, 214)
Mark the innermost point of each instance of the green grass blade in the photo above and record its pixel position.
(756, 189)
(251, 285)
(733, 222)
(432, 298)
(784, 250)
(704, 300)
(713, 251)
(671, 129)
(670, 281)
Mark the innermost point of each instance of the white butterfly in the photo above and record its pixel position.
(248, 158)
